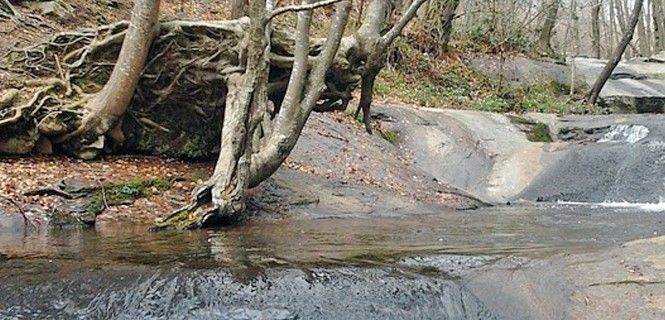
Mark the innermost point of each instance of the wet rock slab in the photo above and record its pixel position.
(318, 293)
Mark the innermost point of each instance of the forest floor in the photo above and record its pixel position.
(333, 150)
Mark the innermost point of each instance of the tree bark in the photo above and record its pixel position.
(643, 39)
(448, 17)
(658, 12)
(595, 28)
(618, 53)
(303, 92)
(9, 8)
(111, 103)
(238, 8)
(544, 45)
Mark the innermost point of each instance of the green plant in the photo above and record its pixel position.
(196, 147)
(494, 104)
(389, 135)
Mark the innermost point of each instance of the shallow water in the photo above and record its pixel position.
(528, 231)
(293, 268)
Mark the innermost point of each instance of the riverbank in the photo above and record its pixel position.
(352, 172)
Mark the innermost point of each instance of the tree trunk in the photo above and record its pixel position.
(658, 12)
(643, 40)
(238, 8)
(618, 53)
(110, 104)
(366, 96)
(447, 19)
(613, 28)
(544, 44)
(595, 28)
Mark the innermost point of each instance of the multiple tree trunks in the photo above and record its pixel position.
(629, 31)
(175, 87)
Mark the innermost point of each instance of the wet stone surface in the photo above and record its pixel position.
(339, 293)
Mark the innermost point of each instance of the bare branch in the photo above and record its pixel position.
(10, 8)
(390, 36)
(302, 7)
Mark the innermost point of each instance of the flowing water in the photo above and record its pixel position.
(349, 268)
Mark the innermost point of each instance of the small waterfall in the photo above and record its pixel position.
(630, 133)
(653, 207)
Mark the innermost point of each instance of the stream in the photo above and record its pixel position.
(416, 267)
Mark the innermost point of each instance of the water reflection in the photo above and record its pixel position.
(523, 231)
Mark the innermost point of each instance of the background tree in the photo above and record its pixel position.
(658, 13)
(595, 27)
(618, 53)
(238, 8)
(544, 44)
(438, 24)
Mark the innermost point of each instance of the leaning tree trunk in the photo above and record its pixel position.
(107, 107)
(618, 53)
(237, 168)
(595, 28)
(544, 44)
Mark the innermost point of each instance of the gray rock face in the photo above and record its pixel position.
(344, 293)
(636, 86)
(614, 158)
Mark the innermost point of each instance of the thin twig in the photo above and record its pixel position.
(302, 7)
(26, 220)
(106, 205)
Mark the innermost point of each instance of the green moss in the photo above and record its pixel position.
(146, 142)
(180, 221)
(535, 131)
(124, 193)
(540, 133)
(389, 135)
(377, 256)
(429, 270)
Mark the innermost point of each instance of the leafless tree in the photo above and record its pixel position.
(595, 27)
(266, 80)
(544, 44)
(618, 53)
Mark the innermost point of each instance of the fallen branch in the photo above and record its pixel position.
(26, 220)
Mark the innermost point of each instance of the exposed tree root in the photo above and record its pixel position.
(9, 12)
(257, 83)
(186, 68)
